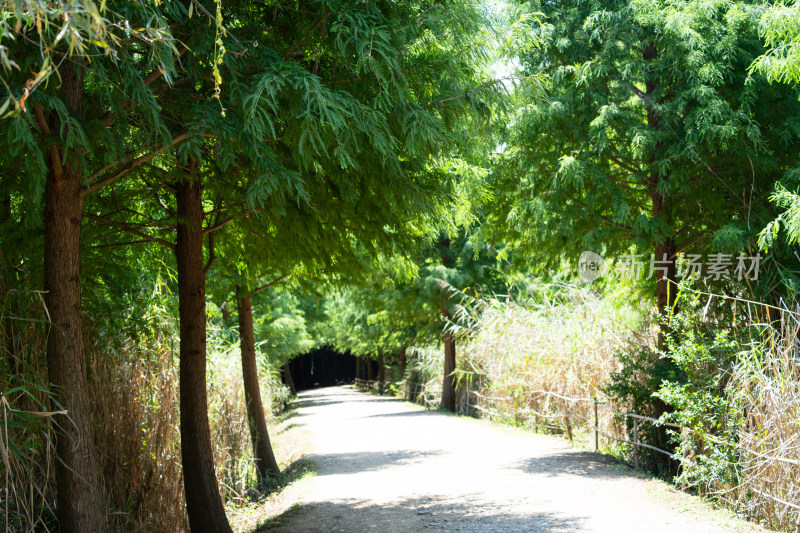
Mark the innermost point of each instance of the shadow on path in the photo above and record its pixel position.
(405, 413)
(358, 462)
(318, 401)
(576, 463)
(414, 515)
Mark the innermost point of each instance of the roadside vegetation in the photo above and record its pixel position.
(556, 216)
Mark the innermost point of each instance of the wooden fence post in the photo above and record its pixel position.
(636, 443)
(596, 428)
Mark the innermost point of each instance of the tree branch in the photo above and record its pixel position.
(604, 218)
(642, 95)
(40, 120)
(114, 244)
(270, 284)
(620, 163)
(291, 50)
(125, 227)
(127, 167)
(680, 247)
(222, 224)
(108, 120)
(212, 256)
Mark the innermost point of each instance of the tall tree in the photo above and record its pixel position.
(642, 130)
(331, 104)
(78, 477)
(266, 465)
(203, 502)
(55, 147)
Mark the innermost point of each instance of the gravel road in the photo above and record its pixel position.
(384, 465)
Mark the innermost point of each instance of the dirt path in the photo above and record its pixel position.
(384, 465)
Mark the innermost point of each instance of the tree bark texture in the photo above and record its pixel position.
(266, 465)
(381, 371)
(78, 484)
(203, 501)
(287, 378)
(370, 369)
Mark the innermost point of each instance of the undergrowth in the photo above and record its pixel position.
(133, 377)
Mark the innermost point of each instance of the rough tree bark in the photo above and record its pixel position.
(78, 488)
(448, 382)
(203, 501)
(661, 208)
(266, 465)
(664, 248)
(666, 288)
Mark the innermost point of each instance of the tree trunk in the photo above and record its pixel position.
(203, 502)
(78, 489)
(266, 465)
(448, 382)
(381, 371)
(661, 209)
(287, 377)
(358, 368)
(666, 291)
(666, 288)
(370, 370)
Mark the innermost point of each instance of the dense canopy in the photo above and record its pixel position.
(195, 194)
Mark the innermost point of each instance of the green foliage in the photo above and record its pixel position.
(36, 38)
(789, 219)
(641, 374)
(280, 327)
(780, 30)
(369, 183)
(705, 353)
(642, 125)
(25, 433)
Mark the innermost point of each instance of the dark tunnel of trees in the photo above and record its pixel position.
(322, 368)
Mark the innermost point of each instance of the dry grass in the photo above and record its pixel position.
(524, 359)
(764, 391)
(27, 487)
(134, 385)
(137, 435)
(519, 362)
(141, 444)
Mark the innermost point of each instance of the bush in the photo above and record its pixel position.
(738, 396)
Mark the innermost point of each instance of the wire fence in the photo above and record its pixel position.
(634, 440)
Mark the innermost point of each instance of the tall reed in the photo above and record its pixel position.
(544, 355)
(27, 488)
(133, 378)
